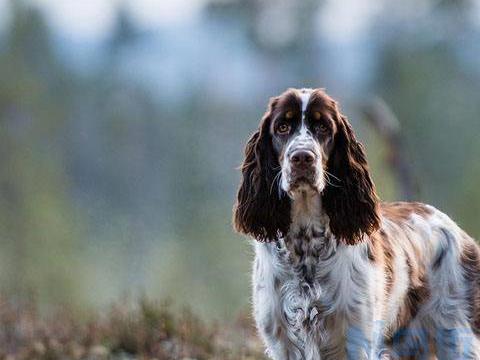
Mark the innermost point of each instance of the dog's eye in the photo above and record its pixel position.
(283, 128)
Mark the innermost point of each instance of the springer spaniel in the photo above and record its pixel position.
(337, 274)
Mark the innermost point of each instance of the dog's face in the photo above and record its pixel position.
(304, 144)
(302, 130)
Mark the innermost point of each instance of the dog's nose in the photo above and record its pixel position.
(302, 158)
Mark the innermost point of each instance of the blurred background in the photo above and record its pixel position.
(122, 124)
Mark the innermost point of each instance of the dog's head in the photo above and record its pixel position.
(305, 145)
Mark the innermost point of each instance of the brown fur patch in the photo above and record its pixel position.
(382, 253)
(400, 212)
(257, 212)
(418, 291)
(388, 253)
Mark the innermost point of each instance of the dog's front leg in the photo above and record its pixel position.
(365, 341)
(274, 334)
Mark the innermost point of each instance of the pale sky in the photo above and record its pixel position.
(91, 19)
(341, 21)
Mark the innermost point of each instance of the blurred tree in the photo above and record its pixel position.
(283, 32)
(37, 225)
(125, 173)
(125, 32)
(436, 102)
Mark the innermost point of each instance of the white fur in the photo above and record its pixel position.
(305, 97)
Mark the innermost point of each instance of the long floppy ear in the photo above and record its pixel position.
(352, 204)
(262, 209)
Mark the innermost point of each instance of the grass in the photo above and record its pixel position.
(144, 330)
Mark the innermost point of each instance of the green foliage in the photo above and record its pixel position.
(38, 228)
(437, 104)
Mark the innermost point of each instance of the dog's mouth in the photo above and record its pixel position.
(303, 183)
(294, 181)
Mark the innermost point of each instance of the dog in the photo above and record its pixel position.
(337, 273)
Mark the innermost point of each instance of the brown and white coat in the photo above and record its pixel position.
(337, 274)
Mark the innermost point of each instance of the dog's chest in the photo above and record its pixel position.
(302, 289)
(318, 282)
(303, 249)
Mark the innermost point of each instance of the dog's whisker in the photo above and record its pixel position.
(329, 181)
(333, 176)
(277, 177)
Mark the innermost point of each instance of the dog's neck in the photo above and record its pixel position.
(307, 210)
(308, 219)
(307, 241)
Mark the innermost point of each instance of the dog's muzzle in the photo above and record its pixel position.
(302, 166)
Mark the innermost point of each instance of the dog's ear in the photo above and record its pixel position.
(352, 204)
(262, 209)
